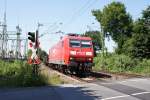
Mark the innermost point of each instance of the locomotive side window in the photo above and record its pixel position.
(74, 43)
(85, 44)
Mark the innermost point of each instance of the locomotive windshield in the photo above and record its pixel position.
(85, 44)
(74, 43)
(80, 43)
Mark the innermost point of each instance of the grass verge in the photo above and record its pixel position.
(20, 74)
(122, 64)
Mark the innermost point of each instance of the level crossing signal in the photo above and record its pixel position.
(34, 45)
(31, 36)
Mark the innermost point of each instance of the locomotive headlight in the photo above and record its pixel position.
(89, 53)
(71, 58)
(90, 59)
(73, 52)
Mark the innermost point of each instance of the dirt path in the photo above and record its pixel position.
(45, 70)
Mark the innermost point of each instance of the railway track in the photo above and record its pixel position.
(93, 77)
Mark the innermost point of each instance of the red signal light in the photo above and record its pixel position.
(30, 44)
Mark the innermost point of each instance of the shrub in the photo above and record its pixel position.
(122, 63)
(116, 63)
(143, 67)
(19, 73)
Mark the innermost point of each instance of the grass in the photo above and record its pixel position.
(122, 64)
(51, 77)
(20, 74)
(54, 80)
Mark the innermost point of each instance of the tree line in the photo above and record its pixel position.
(132, 37)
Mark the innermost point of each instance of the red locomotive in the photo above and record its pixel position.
(73, 53)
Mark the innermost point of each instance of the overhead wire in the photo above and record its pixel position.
(50, 29)
(84, 10)
(76, 13)
(74, 17)
(80, 12)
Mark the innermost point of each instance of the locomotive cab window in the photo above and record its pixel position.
(74, 43)
(86, 44)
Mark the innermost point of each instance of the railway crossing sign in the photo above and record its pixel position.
(34, 45)
(34, 59)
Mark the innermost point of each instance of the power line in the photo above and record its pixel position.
(77, 12)
(89, 6)
(51, 28)
(81, 11)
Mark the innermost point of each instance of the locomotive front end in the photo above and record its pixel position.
(81, 54)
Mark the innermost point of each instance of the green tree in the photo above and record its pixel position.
(115, 22)
(139, 45)
(43, 55)
(96, 39)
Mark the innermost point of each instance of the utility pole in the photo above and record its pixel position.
(4, 37)
(37, 34)
(25, 48)
(12, 55)
(103, 46)
(18, 45)
(39, 25)
(103, 42)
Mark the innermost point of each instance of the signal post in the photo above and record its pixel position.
(34, 45)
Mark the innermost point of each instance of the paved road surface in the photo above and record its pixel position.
(131, 89)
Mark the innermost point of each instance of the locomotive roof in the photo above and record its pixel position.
(72, 37)
(77, 37)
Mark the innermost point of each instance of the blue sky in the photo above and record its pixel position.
(74, 16)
